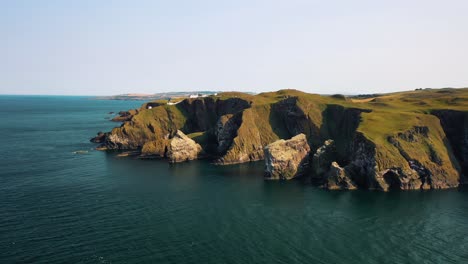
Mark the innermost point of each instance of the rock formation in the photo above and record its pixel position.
(125, 116)
(407, 141)
(182, 148)
(338, 179)
(99, 138)
(287, 159)
(226, 129)
(322, 159)
(455, 125)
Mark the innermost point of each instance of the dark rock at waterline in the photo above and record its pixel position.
(125, 115)
(338, 179)
(100, 138)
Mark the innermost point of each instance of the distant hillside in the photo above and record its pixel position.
(156, 96)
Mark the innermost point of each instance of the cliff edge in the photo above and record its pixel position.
(406, 140)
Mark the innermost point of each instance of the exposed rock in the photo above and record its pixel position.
(412, 134)
(365, 163)
(287, 159)
(155, 148)
(116, 141)
(412, 150)
(340, 124)
(100, 138)
(363, 166)
(101, 147)
(294, 120)
(426, 165)
(322, 159)
(225, 132)
(125, 115)
(455, 125)
(338, 179)
(182, 148)
(248, 142)
(399, 179)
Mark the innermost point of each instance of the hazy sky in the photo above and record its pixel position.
(113, 47)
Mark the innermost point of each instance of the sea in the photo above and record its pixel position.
(62, 201)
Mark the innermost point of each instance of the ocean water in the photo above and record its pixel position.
(59, 206)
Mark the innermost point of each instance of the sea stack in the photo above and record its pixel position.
(286, 159)
(182, 148)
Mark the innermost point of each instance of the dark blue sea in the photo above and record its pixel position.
(61, 201)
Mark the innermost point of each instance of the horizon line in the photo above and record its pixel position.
(188, 91)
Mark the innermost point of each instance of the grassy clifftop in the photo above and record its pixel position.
(398, 136)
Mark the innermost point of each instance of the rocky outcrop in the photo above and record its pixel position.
(363, 167)
(99, 138)
(322, 159)
(340, 124)
(338, 179)
(326, 171)
(295, 119)
(226, 130)
(426, 167)
(404, 179)
(248, 142)
(182, 148)
(125, 115)
(455, 125)
(386, 143)
(287, 159)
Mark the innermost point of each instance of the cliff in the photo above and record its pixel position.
(408, 140)
(287, 159)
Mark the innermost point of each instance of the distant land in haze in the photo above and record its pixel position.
(186, 94)
(155, 96)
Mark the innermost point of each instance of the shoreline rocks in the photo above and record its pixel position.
(322, 159)
(287, 159)
(182, 148)
(355, 144)
(125, 115)
(338, 179)
(99, 138)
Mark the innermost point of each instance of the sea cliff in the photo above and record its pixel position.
(406, 141)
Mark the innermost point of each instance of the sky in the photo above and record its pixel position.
(90, 47)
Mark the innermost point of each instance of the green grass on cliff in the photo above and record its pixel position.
(269, 117)
(399, 112)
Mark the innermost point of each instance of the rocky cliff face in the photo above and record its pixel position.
(182, 148)
(125, 115)
(322, 159)
(248, 143)
(395, 141)
(287, 159)
(99, 138)
(338, 179)
(226, 131)
(455, 125)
